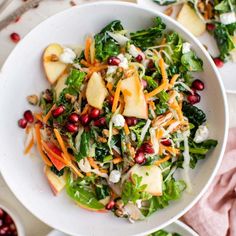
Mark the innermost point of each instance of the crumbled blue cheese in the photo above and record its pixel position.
(68, 56)
(114, 176)
(118, 120)
(201, 134)
(186, 47)
(228, 18)
(123, 61)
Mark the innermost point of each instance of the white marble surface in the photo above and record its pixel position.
(29, 20)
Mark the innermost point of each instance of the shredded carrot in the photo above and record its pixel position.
(27, 130)
(160, 150)
(159, 133)
(168, 123)
(105, 171)
(88, 174)
(170, 149)
(163, 70)
(29, 146)
(122, 105)
(156, 90)
(176, 107)
(48, 115)
(85, 63)
(49, 151)
(152, 105)
(109, 87)
(61, 142)
(126, 129)
(93, 163)
(97, 68)
(85, 110)
(173, 80)
(116, 97)
(166, 158)
(39, 147)
(87, 49)
(117, 160)
(126, 92)
(38, 116)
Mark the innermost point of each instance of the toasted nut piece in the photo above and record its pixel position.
(101, 139)
(54, 58)
(119, 212)
(33, 99)
(168, 11)
(105, 132)
(70, 97)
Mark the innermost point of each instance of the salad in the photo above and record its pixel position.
(217, 17)
(163, 233)
(118, 121)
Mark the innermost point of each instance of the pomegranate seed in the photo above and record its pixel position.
(100, 122)
(17, 19)
(193, 98)
(110, 100)
(22, 123)
(110, 205)
(140, 158)
(94, 113)
(58, 111)
(12, 227)
(73, 118)
(130, 121)
(198, 84)
(1, 213)
(144, 83)
(113, 61)
(147, 148)
(28, 115)
(139, 58)
(4, 230)
(8, 220)
(150, 64)
(166, 142)
(219, 63)
(84, 119)
(72, 128)
(210, 27)
(15, 37)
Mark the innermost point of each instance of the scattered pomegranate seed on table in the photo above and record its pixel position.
(198, 84)
(7, 225)
(193, 98)
(72, 3)
(28, 115)
(17, 19)
(22, 123)
(113, 61)
(210, 27)
(15, 37)
(219, 63)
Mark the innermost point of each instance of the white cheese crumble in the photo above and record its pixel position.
(228, 18)
(114, 176)
(118, 120)
(133, 51)
(201, 134)
(123, 61)
(186, 47)
(67, 56)
(111, 69)
(139, 203)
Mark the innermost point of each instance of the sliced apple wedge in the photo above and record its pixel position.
(96, 91)
(52, 66)
(151, 176)
(191, 21)
(135, 103)
(56, 183)
(61, 84)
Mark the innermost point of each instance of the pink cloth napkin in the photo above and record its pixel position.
(215, 212)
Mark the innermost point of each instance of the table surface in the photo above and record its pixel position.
(28, 21)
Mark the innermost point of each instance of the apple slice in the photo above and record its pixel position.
(56, 183)
(191, 21)
(61, 84)
(96, 91)
(151, 176)
(135, 103)
(52, 66)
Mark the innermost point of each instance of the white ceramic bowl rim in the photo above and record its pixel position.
(173, 22)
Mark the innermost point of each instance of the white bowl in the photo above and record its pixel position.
(22, 75)
(15, 218)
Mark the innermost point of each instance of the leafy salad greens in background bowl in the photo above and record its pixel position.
(214, 23)
(122, 127)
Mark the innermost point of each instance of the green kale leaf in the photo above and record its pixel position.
(165, 2)
(75, 79)
(137, 129)
(191, 62)
(147, 37)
